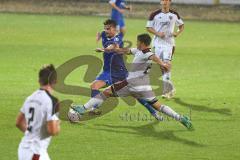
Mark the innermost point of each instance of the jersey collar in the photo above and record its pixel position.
(146, 50)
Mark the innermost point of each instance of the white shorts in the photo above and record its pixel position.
(138, 90)
(164, 52)
(27, 154)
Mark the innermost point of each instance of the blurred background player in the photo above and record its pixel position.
(118, 9)
(38, 118)
(162, 23)
(137, 84)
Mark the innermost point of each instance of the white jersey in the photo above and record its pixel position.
(164, 22)
(39, 108)
(141, 63)
(137, 83)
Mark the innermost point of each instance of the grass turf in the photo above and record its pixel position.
(206, 74)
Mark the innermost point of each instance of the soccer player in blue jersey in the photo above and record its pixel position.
(114, 69)
(118, 9)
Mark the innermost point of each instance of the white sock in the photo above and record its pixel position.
(170, 112)
(167, 83)
(95, 101)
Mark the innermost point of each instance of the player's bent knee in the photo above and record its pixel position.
(92, 86)
(96, 86)
(107, 92)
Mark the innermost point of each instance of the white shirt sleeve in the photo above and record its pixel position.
(112, 1)
(51, 116)
(179, 22)
(150, 23)
(22, 110)
(23, 107)
(133, 50)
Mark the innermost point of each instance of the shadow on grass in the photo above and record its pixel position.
(202, 108)
(112, 103)
(147, 131)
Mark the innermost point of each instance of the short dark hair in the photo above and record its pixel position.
(144, 38)
(110, 22)
(47, 75)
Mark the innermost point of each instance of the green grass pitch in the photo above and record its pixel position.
(206, 73)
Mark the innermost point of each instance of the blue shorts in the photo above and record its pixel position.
(119, 20)
(105, 76)
(110, 79)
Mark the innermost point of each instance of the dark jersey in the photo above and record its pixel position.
(113, 62)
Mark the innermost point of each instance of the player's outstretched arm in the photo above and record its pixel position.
(115, 50)
(21, 122)
(98, 37)
(109, 48)
(163, 65)
(119, 50)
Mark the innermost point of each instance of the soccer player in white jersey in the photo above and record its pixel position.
(162, 24)
(137, 83)
(38, 118)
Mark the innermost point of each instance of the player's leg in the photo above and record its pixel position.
(95, 86)
(140, 90)
(146, 92)
(149, 107)
(94, 102)
(173, 91)
(116, 18)
(166, 110)
(101, 81)
(171, 113)
(112, 91)
(44, 156)
(168, 87)
(123, 30)
(98, 99)
(159, 51)
(122, 26)
(24, 153)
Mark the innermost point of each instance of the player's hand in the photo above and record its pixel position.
(166, 66)
(121, 11)
(98, 37)
(175, 34)
(129, 8)
(161, 34)
(99, 50)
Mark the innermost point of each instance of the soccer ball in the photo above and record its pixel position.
(73, 116)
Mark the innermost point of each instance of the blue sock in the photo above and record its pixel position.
(94, 92)
(147, 106)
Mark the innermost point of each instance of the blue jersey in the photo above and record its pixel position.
(113, 62)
